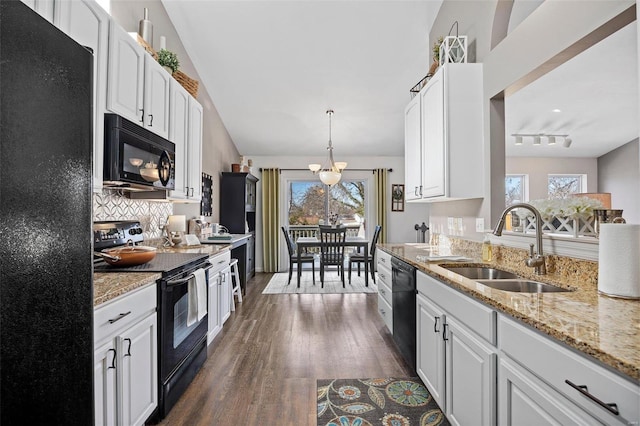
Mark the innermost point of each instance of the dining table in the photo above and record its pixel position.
(304, 243)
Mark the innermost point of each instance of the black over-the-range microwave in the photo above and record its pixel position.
(135, 158)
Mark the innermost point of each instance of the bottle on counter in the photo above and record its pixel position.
(487, 249)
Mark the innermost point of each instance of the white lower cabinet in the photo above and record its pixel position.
(486, 368)
(528, 401)
(126, 359)
(455, 363)
(558, 385)
(385, 296)
(218, 307)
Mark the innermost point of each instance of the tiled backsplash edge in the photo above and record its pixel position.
(566, 267)
(113, 205)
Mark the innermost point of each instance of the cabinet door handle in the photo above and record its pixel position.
(415, 191)
(382, 276)
(435, 325)
(111, 321)
(383, 260)
(151, 120)
(609, 406)
(191, 194)
(444, 331)
(421, 190)
(382, 311)
(382, 291)
(113, 361)
(142, 115)
(129, 349)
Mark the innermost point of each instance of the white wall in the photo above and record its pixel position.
(218, 149)
(399, 224)
(522, 53)
(539, 168)
(619, 174)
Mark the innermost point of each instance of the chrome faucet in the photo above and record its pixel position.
(535, 260)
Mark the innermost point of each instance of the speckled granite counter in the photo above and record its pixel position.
(109, 285)
(605, 328)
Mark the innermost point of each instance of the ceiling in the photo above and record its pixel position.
(273, 68)
(597, 94)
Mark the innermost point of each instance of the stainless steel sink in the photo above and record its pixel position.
(485, 273)
(503, 280)
(521, 286)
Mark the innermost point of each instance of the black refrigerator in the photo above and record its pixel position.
(46, 279)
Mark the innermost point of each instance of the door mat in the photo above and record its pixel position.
(382, 401)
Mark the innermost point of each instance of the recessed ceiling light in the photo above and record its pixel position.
(556, 110)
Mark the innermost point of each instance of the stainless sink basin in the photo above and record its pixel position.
(476, 273)
(521, 286)
(503, 280)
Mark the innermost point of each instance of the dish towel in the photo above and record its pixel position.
(201, 292)
(197, 297)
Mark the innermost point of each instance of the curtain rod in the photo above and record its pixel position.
(307, 170)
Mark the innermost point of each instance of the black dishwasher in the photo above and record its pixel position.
(403, 288)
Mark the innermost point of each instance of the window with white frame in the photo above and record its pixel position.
(562, 186)
(516, 189)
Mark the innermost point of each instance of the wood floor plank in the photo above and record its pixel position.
(263, 366)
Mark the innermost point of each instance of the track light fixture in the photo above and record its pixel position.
(537, 138)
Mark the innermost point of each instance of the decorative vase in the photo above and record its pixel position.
(168, 69)
(145, 28)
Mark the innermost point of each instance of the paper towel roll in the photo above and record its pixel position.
(619, 260)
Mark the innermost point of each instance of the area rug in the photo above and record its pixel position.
(384, 401)
(332, 284)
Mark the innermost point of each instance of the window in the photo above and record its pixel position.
(515, 189)
(561, 186)
(310, 204)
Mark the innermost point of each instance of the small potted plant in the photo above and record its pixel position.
(168, 60)
(436, 55)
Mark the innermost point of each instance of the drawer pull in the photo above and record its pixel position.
(611, 407)
(128, 350)
(220, 262)
(111, 321)
(382, 291)
(382, 312)
(382, 276)
(444, 332)
(113, 361)
(383, 260)
(435, 325)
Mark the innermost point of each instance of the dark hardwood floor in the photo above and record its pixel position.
(262, 368)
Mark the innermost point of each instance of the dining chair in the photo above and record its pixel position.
(332, 249)
(293, 257)
(359, 257)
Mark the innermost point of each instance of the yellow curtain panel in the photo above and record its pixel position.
(381, 176)
(270, 218)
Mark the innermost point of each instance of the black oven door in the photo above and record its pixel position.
(177, 339)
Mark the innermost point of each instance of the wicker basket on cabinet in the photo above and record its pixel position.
(190, 84)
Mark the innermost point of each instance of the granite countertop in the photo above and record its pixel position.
(110, 285)
(603, 327)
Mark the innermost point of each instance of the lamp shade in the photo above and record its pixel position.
(341, 165)
(314, 167)
(330, 177)
(177, 223)
(552, 140)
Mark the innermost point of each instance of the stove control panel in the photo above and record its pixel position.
(113, 234)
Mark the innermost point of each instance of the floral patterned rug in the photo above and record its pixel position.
(384, 401)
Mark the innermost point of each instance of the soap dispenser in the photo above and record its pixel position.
(487, 249)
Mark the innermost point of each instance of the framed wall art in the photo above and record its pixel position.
(397, 197)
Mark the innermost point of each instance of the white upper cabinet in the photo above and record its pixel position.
(179, 135)
(138, 87)
(185, 130)
(88, 24)
(125, 88)
(412, 150)
(156, 97)
(445, 145)
(45, 8)
(194, 172)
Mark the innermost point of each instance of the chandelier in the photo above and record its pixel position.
(331, 173)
